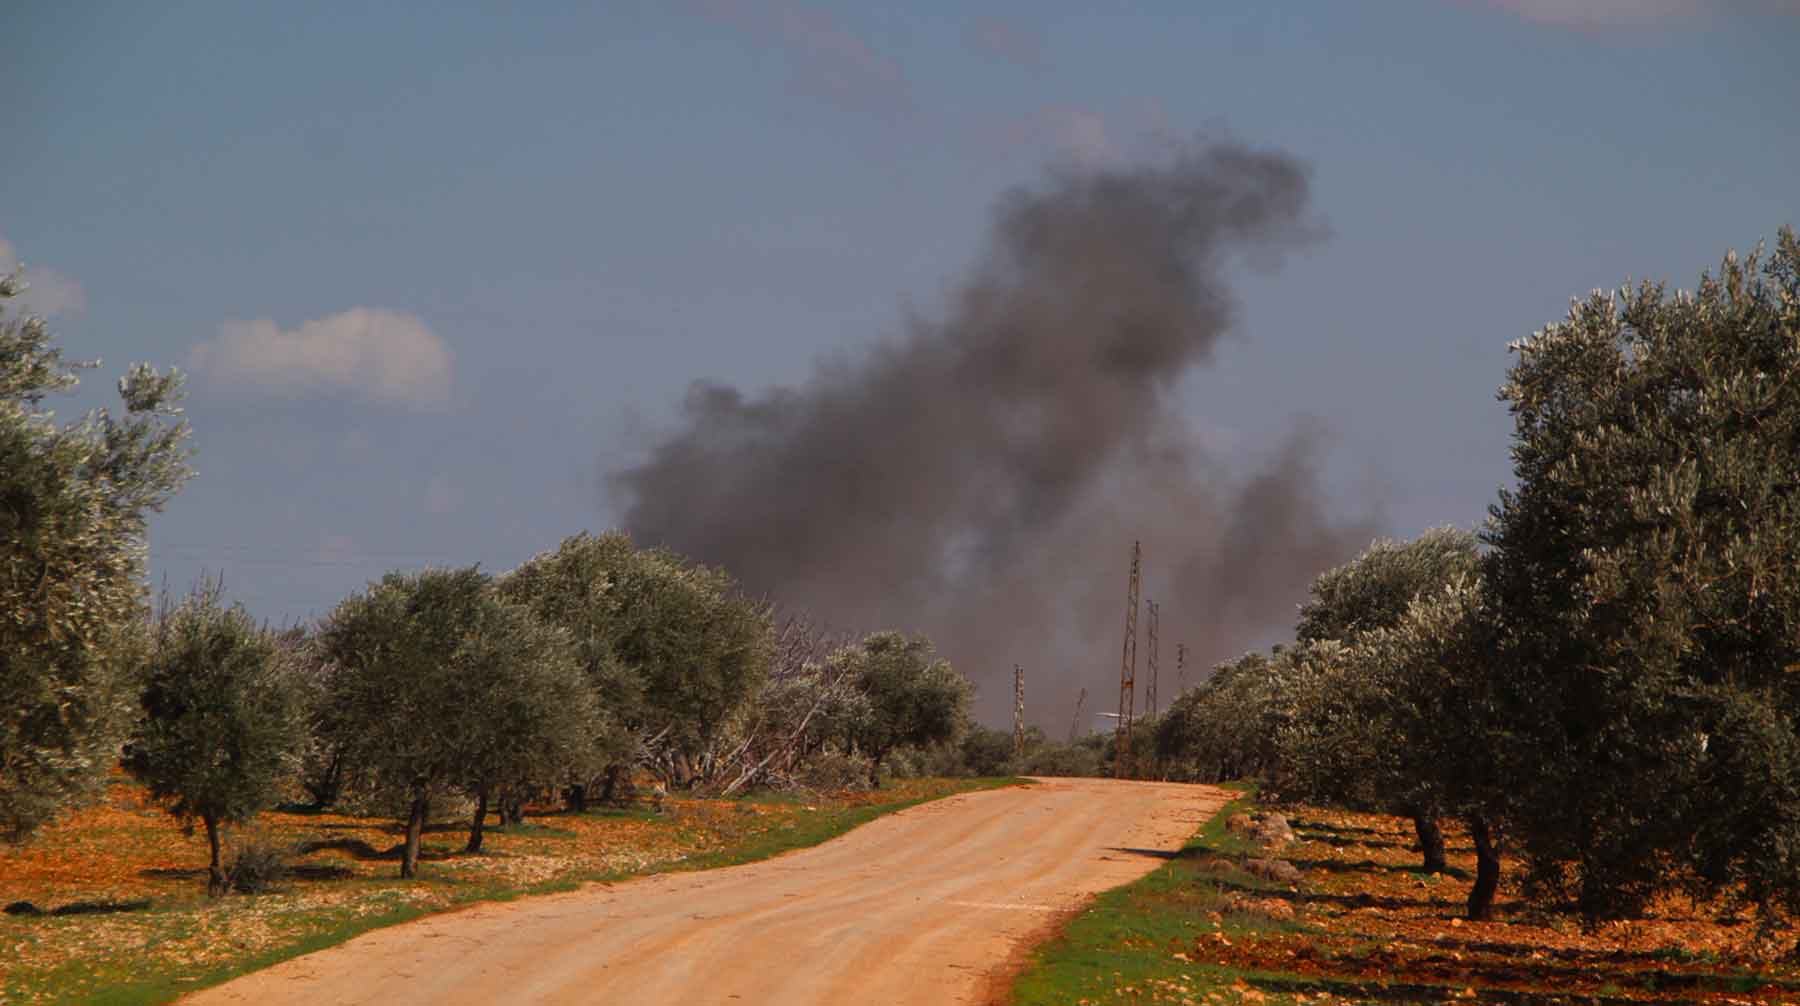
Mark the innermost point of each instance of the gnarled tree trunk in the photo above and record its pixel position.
(476, 826)
(1431, 842)
(215, 868)
(1487, 870)
(415, 828)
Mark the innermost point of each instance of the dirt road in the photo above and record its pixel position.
(918, 908)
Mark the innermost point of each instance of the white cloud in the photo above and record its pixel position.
(383, 356)
(48, 293)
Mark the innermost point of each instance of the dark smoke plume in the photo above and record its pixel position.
(982, 478)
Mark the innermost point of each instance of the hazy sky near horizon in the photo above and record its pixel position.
(434, 271)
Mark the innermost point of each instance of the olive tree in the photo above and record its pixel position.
(673, 648)
(224, 719)
(74, 499)
(1408, 721)
(1646, 573)
(912, 697)
(440, 686)
(1350, 743)
(1230, 726)
(541, 726)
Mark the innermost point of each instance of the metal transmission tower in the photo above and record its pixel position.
(1075, 721)
(1150, 692)
(1128, 672)
(1018, 710)
(1180, 668)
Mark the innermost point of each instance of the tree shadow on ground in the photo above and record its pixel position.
(391, 827)
(1148, 853)
(298, 871)
(1299, 824)
(1301, 897)
(359, 849)
(1341, 842)
(1383, 968)
(1387, 991)
(1339, 866)
(28, 909)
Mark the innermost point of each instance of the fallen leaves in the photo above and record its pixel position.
(1372, 921)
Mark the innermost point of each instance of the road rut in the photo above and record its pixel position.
(918, 908)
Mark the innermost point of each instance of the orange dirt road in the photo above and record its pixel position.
(919, 908)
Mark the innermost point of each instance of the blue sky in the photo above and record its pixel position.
(436, 269)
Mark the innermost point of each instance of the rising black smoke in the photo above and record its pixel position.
(981, 479)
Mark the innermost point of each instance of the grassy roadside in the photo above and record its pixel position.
(1119, 949)
(1363, 925)
(185, 942)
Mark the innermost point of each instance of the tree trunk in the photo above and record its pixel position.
(415, 827)
(326, 789)
(215, 868)
(1431, 842)
(512, 808)
(475, 827)
(875, 772)
(1487, 870)
(609, 794)
(577, 799)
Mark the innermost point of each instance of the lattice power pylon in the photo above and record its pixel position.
(1128, 672)
(1075, 721)
(1150, 692)
(1180, 668)
(1018, 710)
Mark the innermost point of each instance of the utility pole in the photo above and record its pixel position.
(1128, 672)
(1180, 668)
(1150, 692)
(1018, 710)
(1075, 721)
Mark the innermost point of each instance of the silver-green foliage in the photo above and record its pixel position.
(439, 686)
(225, 717)
(1647, 571)
(73, 504)
(1355, 738)
(674, 650)
(1230, 726)
(1374, 590)
(911, 697)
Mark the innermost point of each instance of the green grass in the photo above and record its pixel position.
(1124, 945)
(144, 978)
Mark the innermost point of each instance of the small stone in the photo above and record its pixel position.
(1279, 871)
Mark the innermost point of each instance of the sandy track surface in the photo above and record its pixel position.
(918, 908)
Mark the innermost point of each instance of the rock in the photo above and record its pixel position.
(1268, 908)
(1279, 871)
(1274, 908)
(1272, 829)
(1239, 824)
